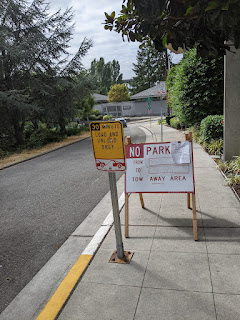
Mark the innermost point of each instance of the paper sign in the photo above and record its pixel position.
(159, 167)
(180, 152)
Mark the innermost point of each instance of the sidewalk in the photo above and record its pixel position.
(170, 276)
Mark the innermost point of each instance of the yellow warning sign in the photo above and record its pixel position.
(107, 139)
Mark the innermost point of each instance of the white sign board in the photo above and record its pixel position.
(159, 167)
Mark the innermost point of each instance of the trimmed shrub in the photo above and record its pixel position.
(93, 117)
(73, 131)
(95, 112)
(107, 117)
(43, 136)
(175, 123)
(211, 128)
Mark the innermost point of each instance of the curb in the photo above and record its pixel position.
(63, 292)
(154, 136)
(42, 154)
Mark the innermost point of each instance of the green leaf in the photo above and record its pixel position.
(189, 9)
(212, 5)
(225, 7)
(164, 41)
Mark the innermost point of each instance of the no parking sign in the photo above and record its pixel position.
(159, 167)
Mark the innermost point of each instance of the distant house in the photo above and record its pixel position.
(137, 106)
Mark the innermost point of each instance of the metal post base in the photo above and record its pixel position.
(127, 257)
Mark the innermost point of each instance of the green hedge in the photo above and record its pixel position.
(42, 136)
(195, 88)
(175, 123)
(211, 128)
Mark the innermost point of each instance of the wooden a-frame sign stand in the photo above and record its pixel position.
(188, 137)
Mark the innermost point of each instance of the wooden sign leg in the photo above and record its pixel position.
(126, 215)
(127, 141)
(188, 200)
(195, 235)
(141, 199)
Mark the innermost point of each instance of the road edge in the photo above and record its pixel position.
(43, 153)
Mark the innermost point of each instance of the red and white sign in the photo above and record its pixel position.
(159, 167)
(110, 165)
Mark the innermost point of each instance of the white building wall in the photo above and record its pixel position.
(132, 108)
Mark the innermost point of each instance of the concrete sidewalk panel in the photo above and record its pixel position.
(101, 271)
(91, 301)
(211, 186)
(178, 240)
(175, 216)
(140, 238)
(148, 215)
(227, 306)
(158, 304)
(221, 217)
(215, 198)
(225, 271)
(223, 240)
(202, 160)
(208, 174)
(179, 271)
(178, 199)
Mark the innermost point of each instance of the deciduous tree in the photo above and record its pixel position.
(203, 24)
(118, 93)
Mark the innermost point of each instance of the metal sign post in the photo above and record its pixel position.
(108, 149)
(117, 224)
(149, 99)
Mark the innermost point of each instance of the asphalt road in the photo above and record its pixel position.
(42, 202)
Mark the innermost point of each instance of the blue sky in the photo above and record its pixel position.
(88, 18)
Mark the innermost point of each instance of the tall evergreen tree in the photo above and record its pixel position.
(104, 75)
(149, 69)
(32, 44)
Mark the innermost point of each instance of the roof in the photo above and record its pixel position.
(100, 97)
(156, 91)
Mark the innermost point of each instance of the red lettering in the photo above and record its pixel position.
(167, 150)
(161, 149)
(149, 149)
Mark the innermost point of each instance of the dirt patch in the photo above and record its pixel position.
(31, 153)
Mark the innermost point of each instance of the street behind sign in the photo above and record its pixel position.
(159, 167)
(108, 145)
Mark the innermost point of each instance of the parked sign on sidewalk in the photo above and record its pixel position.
(108, 145)
(159, 167)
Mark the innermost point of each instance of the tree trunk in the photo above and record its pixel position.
(62, 125)
(18, 131)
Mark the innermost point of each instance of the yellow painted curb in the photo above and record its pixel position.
(60, 296)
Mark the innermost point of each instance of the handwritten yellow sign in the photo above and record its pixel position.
(107, 139)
